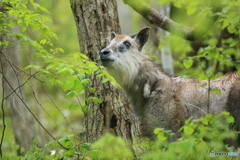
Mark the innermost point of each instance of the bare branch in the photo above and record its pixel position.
(19, 69)
(33, 114)
(3, 114)
(55, 105)
(160, 20)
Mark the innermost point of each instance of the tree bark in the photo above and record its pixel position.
(22, 120)
(95, 20)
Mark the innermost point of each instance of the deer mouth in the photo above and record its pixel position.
(106, 61)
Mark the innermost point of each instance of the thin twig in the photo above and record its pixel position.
(196, 107)
(208, 94)
(15, 72)
(14, 106)
(34, 114)
(32, 75)
(58, 109)
(3, 114)
(46, 112)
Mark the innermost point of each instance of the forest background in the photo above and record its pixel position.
(58, 101)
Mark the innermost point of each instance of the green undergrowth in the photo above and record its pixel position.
(199, 138)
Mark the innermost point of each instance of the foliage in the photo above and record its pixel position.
(199, 138)
(111, 147)
(217, 50)
(70, 73)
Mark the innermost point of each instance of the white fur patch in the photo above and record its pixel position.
(146, 90)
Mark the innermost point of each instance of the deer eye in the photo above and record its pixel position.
(127, 44)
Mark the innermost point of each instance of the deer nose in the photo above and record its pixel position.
(104, 53)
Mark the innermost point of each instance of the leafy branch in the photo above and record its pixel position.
(160, 20)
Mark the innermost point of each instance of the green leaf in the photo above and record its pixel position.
(71, 94)
(204, 121)
(43, 9)
(43, 41)
(95, 100)
(230, 119)
(191, 10)
(188, 130)
(111, 147)
(79, 87)
(85, 81)
(209, 116)
(69, 153)
(225, 23)
(35, 5)
(177, 4)
(163, 1)
(226, 9)
(50, 66)
(188, 121)
(86, 145)
(188, 63)
(35, 141)
(161, 136)
(44, 32)
(225, 113)
(202, 85)
(22, 150)
(68, 85)
(105, 80)
(83, 56)
(73, 106)
(157, 130)
(216, 91)
(24, 28)
(231, 29)
(81, 76)
(84, 108)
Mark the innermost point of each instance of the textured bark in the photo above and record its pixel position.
(22, 120)
(95, 20)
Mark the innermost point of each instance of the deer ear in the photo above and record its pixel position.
(113, 35)
(142, 37)
(133, 35)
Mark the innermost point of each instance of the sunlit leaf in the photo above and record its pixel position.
(191, 10)
(71, 94)
(188, 63)
(216, 91)
(73, 106)
(188, 130)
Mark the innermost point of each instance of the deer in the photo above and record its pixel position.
(161, 100)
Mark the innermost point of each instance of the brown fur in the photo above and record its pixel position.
(119, 37)
(232, 106)
(165, 101)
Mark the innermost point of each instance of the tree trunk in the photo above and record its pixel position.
(95, 20)
(166, 53)
(22, 120)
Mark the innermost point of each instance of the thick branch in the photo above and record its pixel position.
(158, 19)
